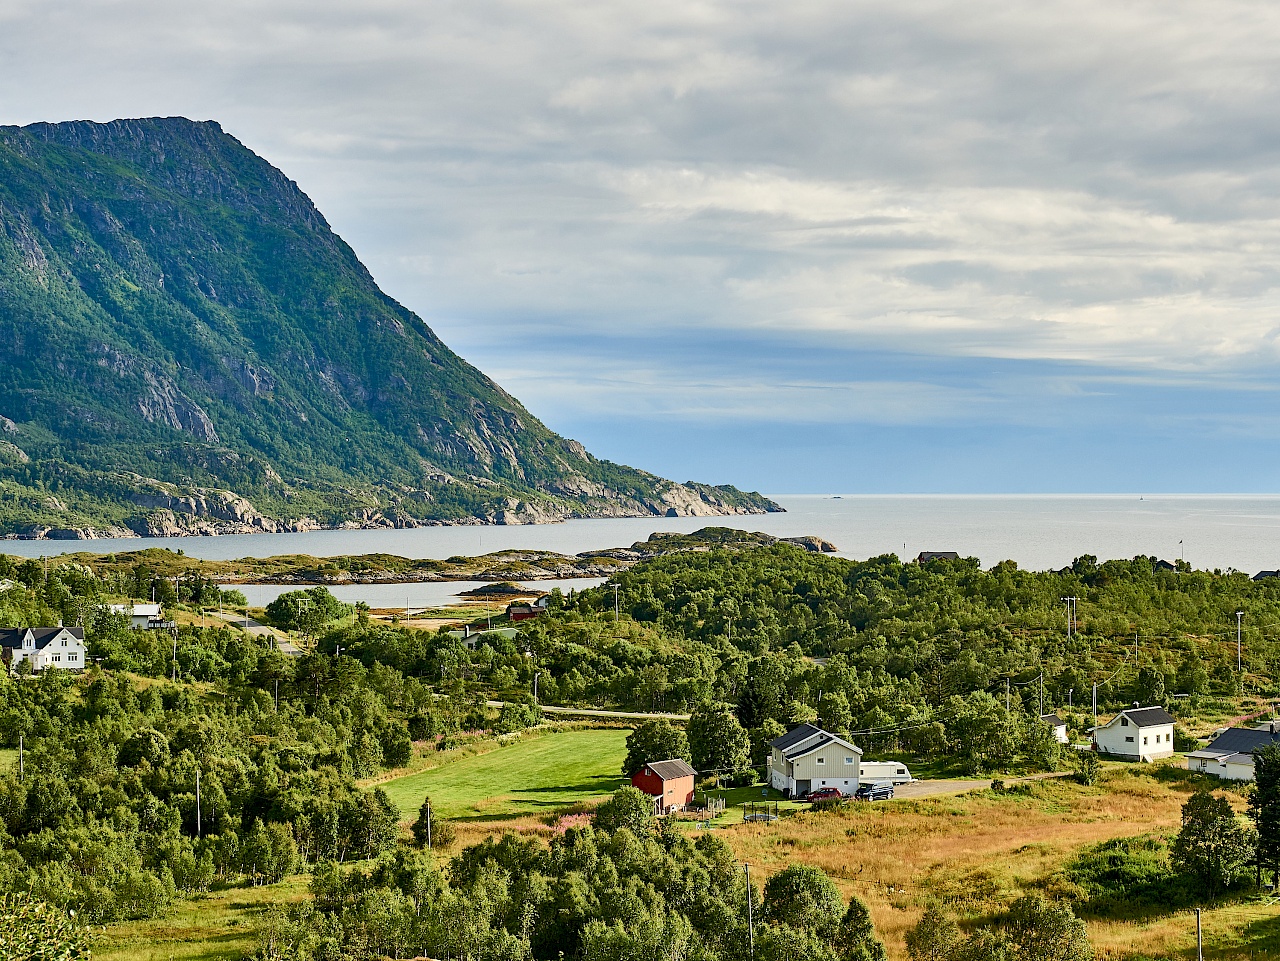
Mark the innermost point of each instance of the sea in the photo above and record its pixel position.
(1038, 531)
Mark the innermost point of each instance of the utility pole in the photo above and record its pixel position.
(1075, 621)
(1239, 648)
(198, 831)
(22, 770)
(1095, 705)
(428, 825)
(1006, 695)
(615, 603)
(1069, 690)
(1042, 693)
(175, 653)
(1067, 601)
(1199, 938)
(751, 926)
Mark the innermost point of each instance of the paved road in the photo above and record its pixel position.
(279, 638)
(594, 712)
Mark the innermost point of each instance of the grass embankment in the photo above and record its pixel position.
(531, 776)
(218, 926)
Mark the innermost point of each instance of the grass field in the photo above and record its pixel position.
(216, 927)
(977, 852)
(531, 776)
(8, 758)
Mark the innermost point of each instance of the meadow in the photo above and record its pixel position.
(531, 776)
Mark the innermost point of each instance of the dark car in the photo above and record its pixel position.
(874, 791)
(824, 794)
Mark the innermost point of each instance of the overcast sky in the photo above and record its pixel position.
(814, 245)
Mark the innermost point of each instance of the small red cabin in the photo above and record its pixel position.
(670, 783)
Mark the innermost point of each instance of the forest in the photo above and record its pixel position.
(201, 758)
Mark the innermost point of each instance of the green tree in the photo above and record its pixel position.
(31, 930)
(934, 938)
(655, 740)
(1044, 931)
(629, 808)
(1264, 807)
(856, 937)
(717, 741)
(802, 896)
(1213, 846)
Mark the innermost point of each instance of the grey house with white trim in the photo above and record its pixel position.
(1136, 734)
(807, 758)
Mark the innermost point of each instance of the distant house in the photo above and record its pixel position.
(1263, 575)
(924, 557)
(524, 610)
(1165, 566)
(1059, 727)
(807, 758)
(669, 783)
(1136, 734)
(43, 647)
(142, 617)
(1230, 754)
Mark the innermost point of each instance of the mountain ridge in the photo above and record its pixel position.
(191, 349)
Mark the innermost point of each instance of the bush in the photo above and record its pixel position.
(31, 930)
(1087, 768)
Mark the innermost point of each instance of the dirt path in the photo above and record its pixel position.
(279, 638)
(918, 789)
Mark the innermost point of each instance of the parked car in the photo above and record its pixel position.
(874, 791)
(824, 794)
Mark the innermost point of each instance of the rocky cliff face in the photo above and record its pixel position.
(189, 348)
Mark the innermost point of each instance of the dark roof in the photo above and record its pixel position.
(1241, 740)
(1263, 575)
(795, 736)
(12, 636)
(1148, 716)
(1053, 719)
(670, 770)
(926, 556)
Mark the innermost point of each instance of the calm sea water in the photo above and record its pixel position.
(1037, 531)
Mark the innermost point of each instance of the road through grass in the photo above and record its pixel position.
(527, 777)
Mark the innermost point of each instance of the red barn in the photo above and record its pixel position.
(670, 783)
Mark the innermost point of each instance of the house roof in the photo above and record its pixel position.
(1053, 720)
(14, 636)
(1239, 740)
(1148, 716)
(137, 610)
(925, 556)
(806, 739)
(670, 770)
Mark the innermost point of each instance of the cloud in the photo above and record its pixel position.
(1063, 194)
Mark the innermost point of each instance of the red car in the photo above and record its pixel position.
(824, 794)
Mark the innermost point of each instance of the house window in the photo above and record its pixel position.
(1124, 722)
(848, 760)
(72, 657)
(57, 657)
(1144, 740)
(822, 760)
(1129, 739)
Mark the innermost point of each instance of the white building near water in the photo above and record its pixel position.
(43, 647)
(807, 758)
(1136, 734)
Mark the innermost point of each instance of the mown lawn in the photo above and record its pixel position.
(530, 776)
(215, 927)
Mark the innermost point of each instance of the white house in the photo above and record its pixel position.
(1136, 734)
(808, 758)
(141, 616)
(1059, 727)
(60, 647)
(1230, 754)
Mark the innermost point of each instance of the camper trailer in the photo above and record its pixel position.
(893, 771)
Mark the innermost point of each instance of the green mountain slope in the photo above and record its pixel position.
(188, 347)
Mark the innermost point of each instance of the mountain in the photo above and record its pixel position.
(187, 347)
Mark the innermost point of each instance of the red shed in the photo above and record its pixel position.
(669, 782)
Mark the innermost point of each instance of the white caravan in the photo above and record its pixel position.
(893, 771)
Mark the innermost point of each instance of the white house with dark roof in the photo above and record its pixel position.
(1059, 727)
(1230, 754)
(141, 616)
(807, 758)
(43, 647)
(1136, 734)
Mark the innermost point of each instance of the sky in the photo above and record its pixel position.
(812, 246)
